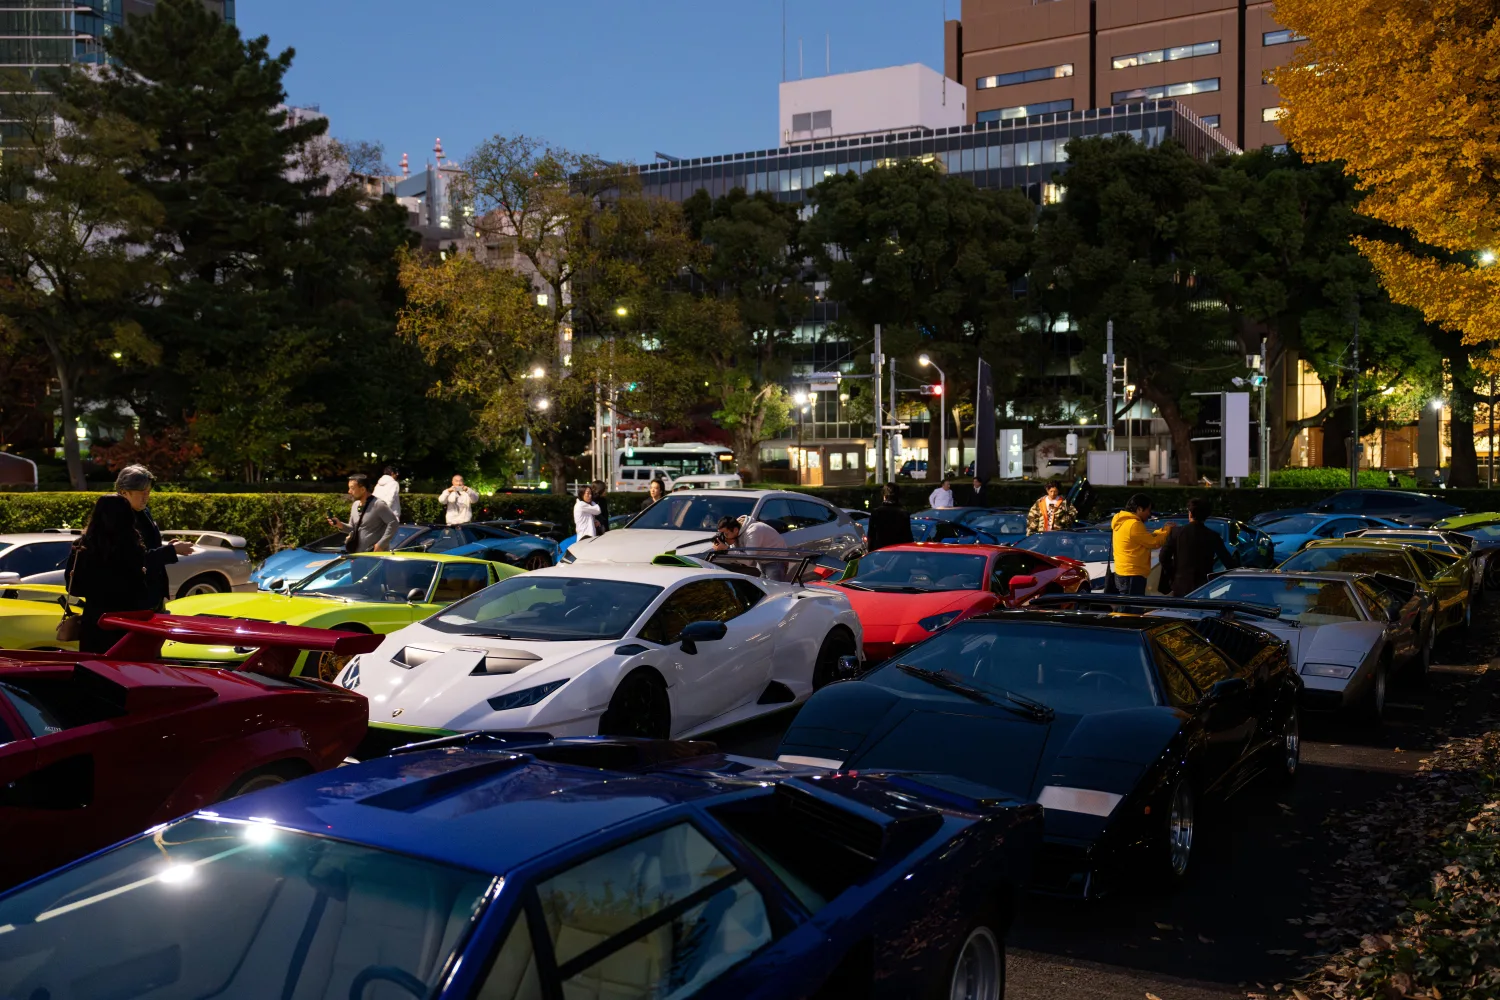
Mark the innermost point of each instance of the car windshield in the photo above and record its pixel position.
(1088, 546)
(1297, 524)
(999, 524)
(531, 606)
(1070, 668)
(916, 572)
(1350, 560)
(1311, 602)
(311, 918)
(692, 511)
(370, 578)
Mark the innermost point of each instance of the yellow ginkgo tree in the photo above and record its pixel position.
(1406, 94)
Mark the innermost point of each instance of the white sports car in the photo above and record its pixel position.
(640, 650)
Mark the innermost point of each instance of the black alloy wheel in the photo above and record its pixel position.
(640, 707)
(1374, 703)
(1288, 748)
(537, 560)
(1178, 833)
(838, 643)
(978, 968)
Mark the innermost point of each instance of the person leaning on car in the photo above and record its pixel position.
(888, 524)
(1133, 545)
(371, 524)
(1188, 557)
(1051, 512)
(134, 484)
(736, 534)
(458, 502)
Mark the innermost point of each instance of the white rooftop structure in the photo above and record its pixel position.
(873, 100)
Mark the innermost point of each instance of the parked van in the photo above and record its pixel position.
(636, 478)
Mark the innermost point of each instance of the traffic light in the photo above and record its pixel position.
(932, 390)
(1258, 381)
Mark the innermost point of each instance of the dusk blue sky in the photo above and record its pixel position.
(618, 78)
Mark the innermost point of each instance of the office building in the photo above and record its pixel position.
(37, 35)
(1018, 57)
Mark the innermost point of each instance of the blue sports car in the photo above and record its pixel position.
(482, 866)
(1294, 531)
(516, 547)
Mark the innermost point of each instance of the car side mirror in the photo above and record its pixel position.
(847, 669)
(1229, 687)
(10, 577)
(1022, 582)
(697, 632)
(416, 595)
(278, 585)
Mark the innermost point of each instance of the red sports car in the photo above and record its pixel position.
(95, 750)
(904, 593)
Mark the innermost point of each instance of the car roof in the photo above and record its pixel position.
(493, 810)
(1355, 542)
(1296, 574)
(640, 572)
(23, 537)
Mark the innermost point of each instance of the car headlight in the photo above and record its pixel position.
(524, 698)
(1088, 801)
(1336, 670)
(934, 622)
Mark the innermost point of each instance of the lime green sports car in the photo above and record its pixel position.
(377, 592)
(28, 617)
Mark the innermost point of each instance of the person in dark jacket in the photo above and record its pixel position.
(1188, 556)
(977, 493)
(889, 524)
(107, 569)
(134, 484)
(603, 504)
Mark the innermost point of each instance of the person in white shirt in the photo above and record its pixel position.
(747, 534)
(388, 488)
(942, 496)
(458, 500)
(584, 513)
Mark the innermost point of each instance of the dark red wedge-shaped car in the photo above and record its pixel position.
(95, 749)
(905, 593)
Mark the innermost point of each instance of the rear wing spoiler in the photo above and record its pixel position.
(1226, 608)
(798, 559)
(278, 647)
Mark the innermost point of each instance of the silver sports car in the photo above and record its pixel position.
(218, 563)
(1349, 632)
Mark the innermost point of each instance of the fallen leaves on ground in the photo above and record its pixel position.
(1415, 910)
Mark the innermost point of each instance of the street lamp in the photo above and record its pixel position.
(925, 360)
(543, 403)
(1486, 258)
(538, 372)
(621, 311)
(799, 397)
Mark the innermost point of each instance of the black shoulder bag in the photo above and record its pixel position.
(351, 540)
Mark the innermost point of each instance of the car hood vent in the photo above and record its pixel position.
(503, 661)
(415, 656)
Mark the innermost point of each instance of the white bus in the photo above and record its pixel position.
(676, 460)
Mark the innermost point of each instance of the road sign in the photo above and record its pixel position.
(824, 376)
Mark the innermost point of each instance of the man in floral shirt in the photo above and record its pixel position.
(1051, 512)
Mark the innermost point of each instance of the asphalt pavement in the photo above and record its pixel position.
(1248, 921)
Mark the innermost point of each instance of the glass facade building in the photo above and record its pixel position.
(36, 35)
(1025, 153)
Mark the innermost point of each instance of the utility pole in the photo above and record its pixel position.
(1492, 432)
(1109, 385)
(1354, 428)
(895, 455)
(877, 363)
(1129, 421)
(1265, 433)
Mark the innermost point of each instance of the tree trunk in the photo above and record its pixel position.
(69, 415)
(1335, 430)
(747, 439)
(1181, 431)
(1275, 365)
(1464, 467)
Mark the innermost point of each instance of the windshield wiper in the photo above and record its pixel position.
(949, 681)
(856, 585)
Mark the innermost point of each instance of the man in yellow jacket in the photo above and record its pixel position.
(1134, 544)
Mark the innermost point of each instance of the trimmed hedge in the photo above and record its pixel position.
(273, 521)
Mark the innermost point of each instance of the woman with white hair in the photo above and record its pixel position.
(134, 484)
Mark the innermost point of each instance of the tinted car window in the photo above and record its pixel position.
(1083, 546)
(810, 512)
(1236, 642)
(1203, 664)
(37, 557)
(699, 601)
(1297, 524)
(749, 594)
(1350, 561)
(777, 512)
(369, 578)
(1071, 668)
(1378, 600)
(459, 580)
(692, 511)
(530, 606)
(1328, 601)
(642, 900)
(999, 524)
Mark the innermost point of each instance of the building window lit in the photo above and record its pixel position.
(1271, 114)
(1051, 193)
(1165, 90)
(1281, 37)
(1166, 55)
(1024, 76)
(541, 298)
(1024, 111)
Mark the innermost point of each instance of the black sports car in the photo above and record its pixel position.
(1118, 724)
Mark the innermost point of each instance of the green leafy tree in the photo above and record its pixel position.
(72, 270)
(1129, 243)
(933, 259)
